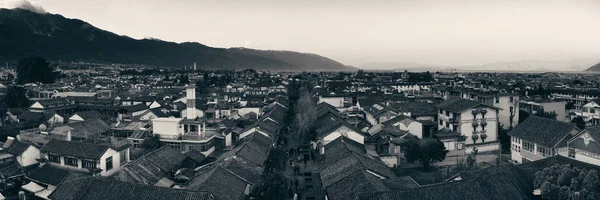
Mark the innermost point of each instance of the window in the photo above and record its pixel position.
(455, 127)
(109, 163)
(54, 158)
(512, 99)
(528, 146)
(447, 125)
(71, 161)
(441, 123)
(543, 151)
(88, 164)
(497, 99)
(122, 156)
(571, 153)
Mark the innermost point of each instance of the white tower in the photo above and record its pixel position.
(190, 93)
(194, 66)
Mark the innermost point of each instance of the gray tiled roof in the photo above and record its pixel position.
(341, 160)
(458, 105)
(543, 131)
(353, 184)
(47, 174)
(95, 188)
(88, 115)
(17, 148)
(75, 149)
(220, 182)
(494, 187)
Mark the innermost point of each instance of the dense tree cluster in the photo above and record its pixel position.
(35, 69)
(306, 115)
(563, 182)
(426, 151)
(16, 97)
(152, 143)
(420, 77)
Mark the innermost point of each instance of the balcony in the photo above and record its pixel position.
(196, 136)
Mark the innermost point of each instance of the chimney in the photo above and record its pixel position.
(194, 66)
(68, 135)
(203, 127)
(190, 93)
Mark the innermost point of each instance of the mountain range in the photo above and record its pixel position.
(522, 65)
(595, 68)
(54, 37)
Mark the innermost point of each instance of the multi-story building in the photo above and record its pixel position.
(467, 123)
(539, 107)
(537, 138)
(590, 112)
(508, 104)
(190, 132)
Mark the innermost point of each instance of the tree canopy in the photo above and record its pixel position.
(549, 115)
(152, 143)
(420, 77)
(426, 151)
(579, 121)
(35, 69)
(16, 97)
(306, 115)
(559, 182)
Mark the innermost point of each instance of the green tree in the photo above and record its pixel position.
(184, 79)
(360, 74)
(16, 97)
(522, 116)
(563, 182)
(472, 158)
(35, 69)
(306, 115)
(426, 151)
(273, 186)
(549, 115)
(504, 138)
(579, 121)
(570, 106)
(152, 143)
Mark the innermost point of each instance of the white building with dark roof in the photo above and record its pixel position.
(464, 124)
(585, 146)
(537, 138)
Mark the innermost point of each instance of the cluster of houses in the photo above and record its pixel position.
(105, 144)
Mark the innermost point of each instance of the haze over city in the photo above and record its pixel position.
(448, 32)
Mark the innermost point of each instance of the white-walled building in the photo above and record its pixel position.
(537, 107)
(82, 156)
(190, 132)
(24, 154)
(537, 138)
(585, 146)
(508, 104)
(590, 112)
(464, 124)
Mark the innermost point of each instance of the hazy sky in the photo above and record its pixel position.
(448, 32)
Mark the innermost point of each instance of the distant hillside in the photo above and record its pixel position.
(521, 65)
(595, 68)
(25, 33)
